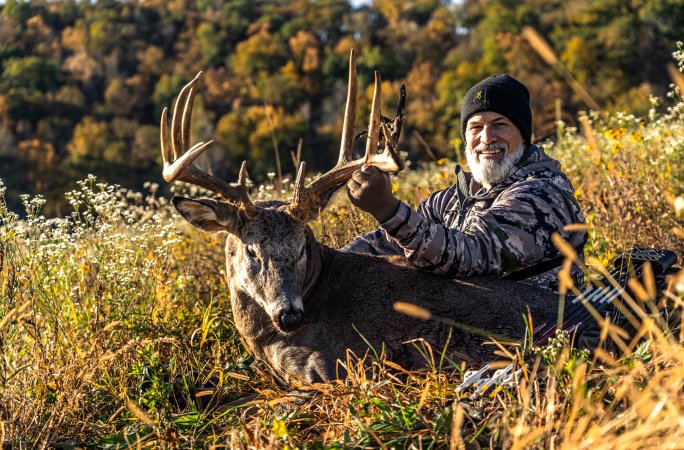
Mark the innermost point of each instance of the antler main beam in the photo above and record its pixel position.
(387, 161)
(178, 159)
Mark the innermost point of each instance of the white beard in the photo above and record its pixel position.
(488, 172)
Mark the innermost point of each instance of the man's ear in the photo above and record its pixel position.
(209, 215)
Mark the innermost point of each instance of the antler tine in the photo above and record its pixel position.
(316, 195)
(299, 185)
(374, 120)
(167, 154)
(178, 159)
(174, 167)
(242, 184)
(346, 146)
(187, 112)
(242, 176)
(180, 110)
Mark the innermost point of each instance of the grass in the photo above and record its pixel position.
(115, 329)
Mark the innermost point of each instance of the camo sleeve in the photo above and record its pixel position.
(514, 232)
(379, 242)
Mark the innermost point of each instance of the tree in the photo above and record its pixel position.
(247, 134)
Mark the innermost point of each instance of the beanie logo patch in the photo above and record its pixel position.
(478, 96)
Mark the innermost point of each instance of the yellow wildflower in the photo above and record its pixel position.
(615, 134)
(615, 148)
(280, 428)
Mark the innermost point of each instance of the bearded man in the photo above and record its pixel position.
(496, 220)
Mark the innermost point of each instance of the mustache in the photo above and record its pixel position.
(492, 146)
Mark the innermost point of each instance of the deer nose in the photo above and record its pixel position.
(290, 320)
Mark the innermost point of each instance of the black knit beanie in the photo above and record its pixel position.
(502, 94)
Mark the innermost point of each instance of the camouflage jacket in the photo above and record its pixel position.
(490, 232)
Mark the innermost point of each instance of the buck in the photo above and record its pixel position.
(299, 304)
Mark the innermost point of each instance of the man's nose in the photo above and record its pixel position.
(488, 135)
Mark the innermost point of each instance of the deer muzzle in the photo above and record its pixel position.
(287, 314)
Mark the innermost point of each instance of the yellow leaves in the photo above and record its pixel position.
(91, 138)
(304, 47)
(442, 161)
(289, 69)
(74, 38)
(344, 46)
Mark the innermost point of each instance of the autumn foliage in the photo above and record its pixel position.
(85, 82)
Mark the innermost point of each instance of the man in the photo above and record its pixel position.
(496, 220)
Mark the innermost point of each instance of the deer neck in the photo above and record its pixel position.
(314, 259)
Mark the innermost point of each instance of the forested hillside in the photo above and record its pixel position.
(83, 83)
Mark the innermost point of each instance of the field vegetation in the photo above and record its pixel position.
(115, 327)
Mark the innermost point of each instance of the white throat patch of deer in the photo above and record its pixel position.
(300, 305)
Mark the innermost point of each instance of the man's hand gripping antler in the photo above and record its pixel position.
(370, 189)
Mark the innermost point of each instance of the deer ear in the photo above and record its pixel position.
(209, 215)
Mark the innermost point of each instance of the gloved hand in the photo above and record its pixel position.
(371, 190)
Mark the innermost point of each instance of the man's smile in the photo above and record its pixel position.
(491, 152)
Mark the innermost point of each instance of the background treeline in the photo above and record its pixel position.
(83, 83)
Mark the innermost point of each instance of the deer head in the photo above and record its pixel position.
(270, 249)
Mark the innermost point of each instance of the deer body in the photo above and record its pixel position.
(300, 305)
(347, 299)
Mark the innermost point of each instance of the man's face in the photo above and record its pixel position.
(493, 147)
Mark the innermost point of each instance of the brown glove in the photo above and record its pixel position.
(371, 190)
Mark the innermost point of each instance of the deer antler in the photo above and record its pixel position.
(307, 198)
(178, 159)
